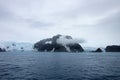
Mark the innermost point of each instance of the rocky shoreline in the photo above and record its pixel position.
(58, 43)
(52, 45)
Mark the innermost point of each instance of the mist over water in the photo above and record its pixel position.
(59, 66)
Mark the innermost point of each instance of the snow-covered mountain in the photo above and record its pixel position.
(14, 46)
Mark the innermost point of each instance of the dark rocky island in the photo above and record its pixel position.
(113, 48)
(58, 43)
(98, 50)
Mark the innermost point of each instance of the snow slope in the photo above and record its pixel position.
(10, 46)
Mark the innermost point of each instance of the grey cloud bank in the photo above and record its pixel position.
(96, 21)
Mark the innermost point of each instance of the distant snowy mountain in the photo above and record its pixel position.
(14, 46)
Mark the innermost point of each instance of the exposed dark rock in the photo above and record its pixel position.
(7, 47)
(98, 50)
(22, 49)
(41, 44)
(54, 39)
(75, 48)
(68, 37)
(59, 48)
(2, 50)
(13, 44)
(113, 48)
(46, 47)
(51, 44)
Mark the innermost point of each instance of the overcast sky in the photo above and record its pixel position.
(96, 21)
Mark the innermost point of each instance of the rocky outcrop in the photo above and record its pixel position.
(2, 50)
(113, 48)
(51, 45)
(75, 48)
(98, 50)
(54, 39)
(43, 45)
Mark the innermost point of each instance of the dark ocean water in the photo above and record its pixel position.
(59, 66)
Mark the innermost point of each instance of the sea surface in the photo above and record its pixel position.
(59, 66)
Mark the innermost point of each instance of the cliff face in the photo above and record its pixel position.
(113, 48)
(51, 45)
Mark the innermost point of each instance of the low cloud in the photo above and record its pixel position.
(64, 41)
